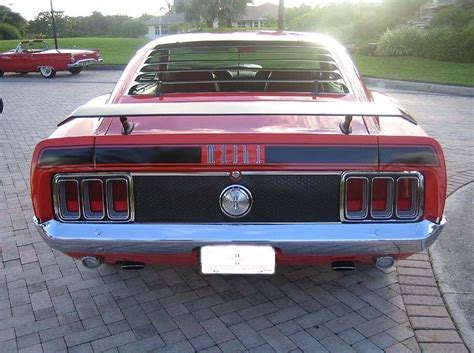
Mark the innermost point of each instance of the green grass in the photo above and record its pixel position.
(113, 50)
(417, 69)
(121, 50)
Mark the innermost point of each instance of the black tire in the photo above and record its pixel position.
(1, 73)
(47, 71)
(75, 70)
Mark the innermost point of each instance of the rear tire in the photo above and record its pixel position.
(47, 71)
(75, 70)
(1, 73)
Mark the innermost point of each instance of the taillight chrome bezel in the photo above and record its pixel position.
(388, 212)
(85, 214)
(60, 201)
(111, 213)
(391, 214)
(412, 213)
(365, 201)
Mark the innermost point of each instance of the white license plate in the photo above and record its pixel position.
(237, 259)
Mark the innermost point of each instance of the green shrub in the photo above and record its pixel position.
(133, 28)
(446, 43)
(399, 42)
(8, 31)
(453, 16)
(344, 34)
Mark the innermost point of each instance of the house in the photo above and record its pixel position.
(163, 25)
(254, 17)
(257, 16)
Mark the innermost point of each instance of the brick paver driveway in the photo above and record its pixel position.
(49, 302)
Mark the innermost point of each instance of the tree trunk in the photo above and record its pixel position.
(281, 15)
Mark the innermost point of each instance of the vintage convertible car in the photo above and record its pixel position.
(237, 152)
(35, 56)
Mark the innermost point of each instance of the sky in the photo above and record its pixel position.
(30, 8)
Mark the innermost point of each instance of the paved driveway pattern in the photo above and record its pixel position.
(48, 302)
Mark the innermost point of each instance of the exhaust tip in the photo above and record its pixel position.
(130, 266)
(343, 266)
(91, 261)
(384, 262)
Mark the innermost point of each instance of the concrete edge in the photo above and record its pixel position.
(463, 91)
(106, 67)
(455, 311)
(371, 81)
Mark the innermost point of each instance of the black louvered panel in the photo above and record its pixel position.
(277, 198)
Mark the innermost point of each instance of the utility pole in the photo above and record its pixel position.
(281, 15)
(55, 34)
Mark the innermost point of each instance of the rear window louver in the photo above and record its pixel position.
(239, 67)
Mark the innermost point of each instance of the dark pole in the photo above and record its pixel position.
(55, 35)
(281, 15)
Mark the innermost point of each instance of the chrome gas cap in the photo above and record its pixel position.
(236, 201)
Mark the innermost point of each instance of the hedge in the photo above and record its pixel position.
(446, 43)
(8, 32)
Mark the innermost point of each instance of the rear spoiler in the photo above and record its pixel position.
(345, 109)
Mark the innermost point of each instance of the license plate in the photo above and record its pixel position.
(237, 259)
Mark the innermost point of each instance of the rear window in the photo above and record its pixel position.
(239, 67)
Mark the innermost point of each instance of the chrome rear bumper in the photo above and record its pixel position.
(291, 239)
(85, 62)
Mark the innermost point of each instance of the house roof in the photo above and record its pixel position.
(254, 13)
(175, 18)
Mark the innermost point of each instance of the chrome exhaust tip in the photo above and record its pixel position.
(130, 266)
(384, 262)
(343, 266)
(91, 261)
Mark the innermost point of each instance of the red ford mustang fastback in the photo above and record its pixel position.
(238, 152)
(35, 56)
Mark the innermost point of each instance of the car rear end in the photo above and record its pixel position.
(235, 179)
(81, 58)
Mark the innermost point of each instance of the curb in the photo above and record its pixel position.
(420, 86)
(371, 81)
(106, 67)
(446, 265)
(433, 326)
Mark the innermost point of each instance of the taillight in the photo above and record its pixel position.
(356, 197)
(118, 198)
(102, 197)
(68, 203)
(388, 196)
(93, 199)
(381, 205)
(407, 197)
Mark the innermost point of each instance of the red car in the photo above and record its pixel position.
(237, 152)
(35, 56)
